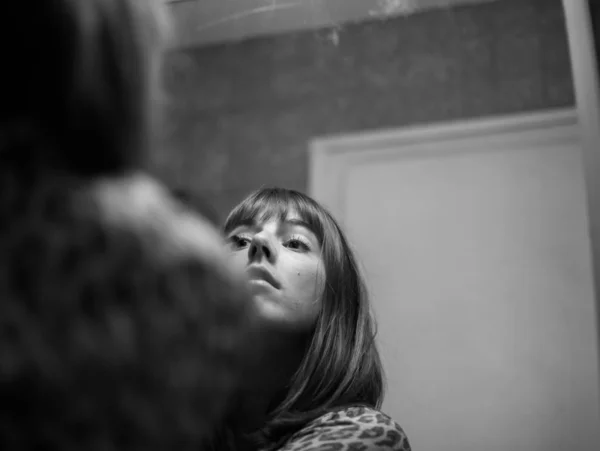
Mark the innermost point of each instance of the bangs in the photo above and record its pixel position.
(276, 203)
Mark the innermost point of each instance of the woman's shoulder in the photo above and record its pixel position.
(355, 428)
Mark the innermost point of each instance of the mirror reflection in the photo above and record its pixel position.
(439, 134)
(293, 225)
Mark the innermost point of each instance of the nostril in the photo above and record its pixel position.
(260, 248)
(253, 250)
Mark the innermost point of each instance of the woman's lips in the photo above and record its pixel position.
(259, 275)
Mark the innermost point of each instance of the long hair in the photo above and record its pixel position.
(79, 76)
(341, 366)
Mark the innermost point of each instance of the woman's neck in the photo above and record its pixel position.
(276, 367)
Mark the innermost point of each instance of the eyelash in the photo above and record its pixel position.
(295, 238)
(241, 241)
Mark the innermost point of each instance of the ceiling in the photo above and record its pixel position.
(201, 22)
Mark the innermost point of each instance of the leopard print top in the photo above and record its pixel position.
(350, 429)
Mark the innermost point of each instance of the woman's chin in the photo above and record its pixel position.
(277, 315)
(269, 308)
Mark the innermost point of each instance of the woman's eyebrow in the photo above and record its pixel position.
(300, 223)
(245, 224)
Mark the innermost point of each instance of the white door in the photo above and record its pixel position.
(474, 241)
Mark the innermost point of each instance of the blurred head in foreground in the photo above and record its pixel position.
(122, 325)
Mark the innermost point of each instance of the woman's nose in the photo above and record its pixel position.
(261, 247)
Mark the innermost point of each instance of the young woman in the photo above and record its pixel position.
(122, 326)
(326, 381)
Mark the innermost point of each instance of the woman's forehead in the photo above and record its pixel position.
(288, 216)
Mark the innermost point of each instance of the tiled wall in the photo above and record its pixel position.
(242, 114)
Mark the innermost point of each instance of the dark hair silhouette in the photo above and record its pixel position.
(121, 325)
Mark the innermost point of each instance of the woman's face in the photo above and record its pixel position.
(285, 269)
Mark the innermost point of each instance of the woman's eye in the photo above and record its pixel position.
(296, 244)
(239, 242)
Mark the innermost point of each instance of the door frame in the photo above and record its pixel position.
(325, 178)
(584, 69)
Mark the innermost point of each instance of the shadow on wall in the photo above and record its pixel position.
(594, 6)
(241, 115)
